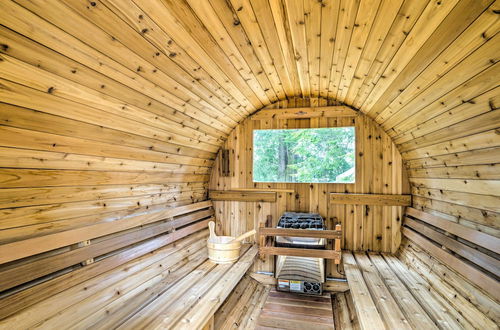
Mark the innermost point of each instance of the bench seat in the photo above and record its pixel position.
(176, 285)
(192, 301)
(387, 294)
(164, 280)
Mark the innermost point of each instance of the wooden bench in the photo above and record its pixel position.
(467, 251)
(154, 273)
(436, 286)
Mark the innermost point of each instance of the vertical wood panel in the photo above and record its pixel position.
(365, 227)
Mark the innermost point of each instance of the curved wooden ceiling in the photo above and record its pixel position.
(158, 85)
(219, 60)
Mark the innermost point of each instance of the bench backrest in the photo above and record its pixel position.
(471, 253)
(50, 264)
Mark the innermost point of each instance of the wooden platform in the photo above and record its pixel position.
(242, 308)
(389, 295)
(291, 311)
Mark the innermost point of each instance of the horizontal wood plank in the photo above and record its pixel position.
(330, 234)
(242, 196)
(20, 249)
(468, 271)
(481, 259)
(487, 241)
(370, 199)
(310, 112)
(296, 252)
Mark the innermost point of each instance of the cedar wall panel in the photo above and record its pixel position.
(379, 169)
(87, 137)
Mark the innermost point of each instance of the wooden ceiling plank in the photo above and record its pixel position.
(35, 99)
(450, 43)
(206, 14)
(65, 67)
(482, 59)
(329, 20)
(313, 18)
(305, 112)
(406, 18)
(384, 20)
(198, 43)
(24, 21)
(296, 19)
(438, 118)
(284, 39)
(73, 20)
(361, 34)
(106, 108)
(485, 59)
(268, 55)
(239, 38)
(423, 29)
(131, 14)
(348, 11)
(480, 123)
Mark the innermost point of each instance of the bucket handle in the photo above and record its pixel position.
(211, 227)
(245, 235)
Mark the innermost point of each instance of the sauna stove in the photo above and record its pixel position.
(300, 274)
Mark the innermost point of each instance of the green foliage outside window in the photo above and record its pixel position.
(304, 155)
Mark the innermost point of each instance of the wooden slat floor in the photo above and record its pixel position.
(291, 311)
(242, 308)
(384, 294)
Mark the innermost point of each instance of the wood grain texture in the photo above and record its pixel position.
(370, 199)
(242, 196)
(140, 95)
(379, 171)
(468, 271)
(467, 303)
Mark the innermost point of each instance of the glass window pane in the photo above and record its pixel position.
(304, 155)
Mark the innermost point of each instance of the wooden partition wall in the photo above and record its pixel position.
(379, 169)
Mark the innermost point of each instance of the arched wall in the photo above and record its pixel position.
(379, 169)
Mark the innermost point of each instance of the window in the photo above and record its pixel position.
(304, 155)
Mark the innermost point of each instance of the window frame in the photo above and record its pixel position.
(356, 168)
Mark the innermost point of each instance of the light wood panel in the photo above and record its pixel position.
(414, 291)
(407, 64)
(370, 199)
(243, 306)
(284, 310)
(468, 305)
(242, 196)
(379, 170)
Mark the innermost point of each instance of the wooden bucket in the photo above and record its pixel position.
(222, 252)
(224, 249)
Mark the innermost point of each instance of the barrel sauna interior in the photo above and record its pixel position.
(126, 126)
